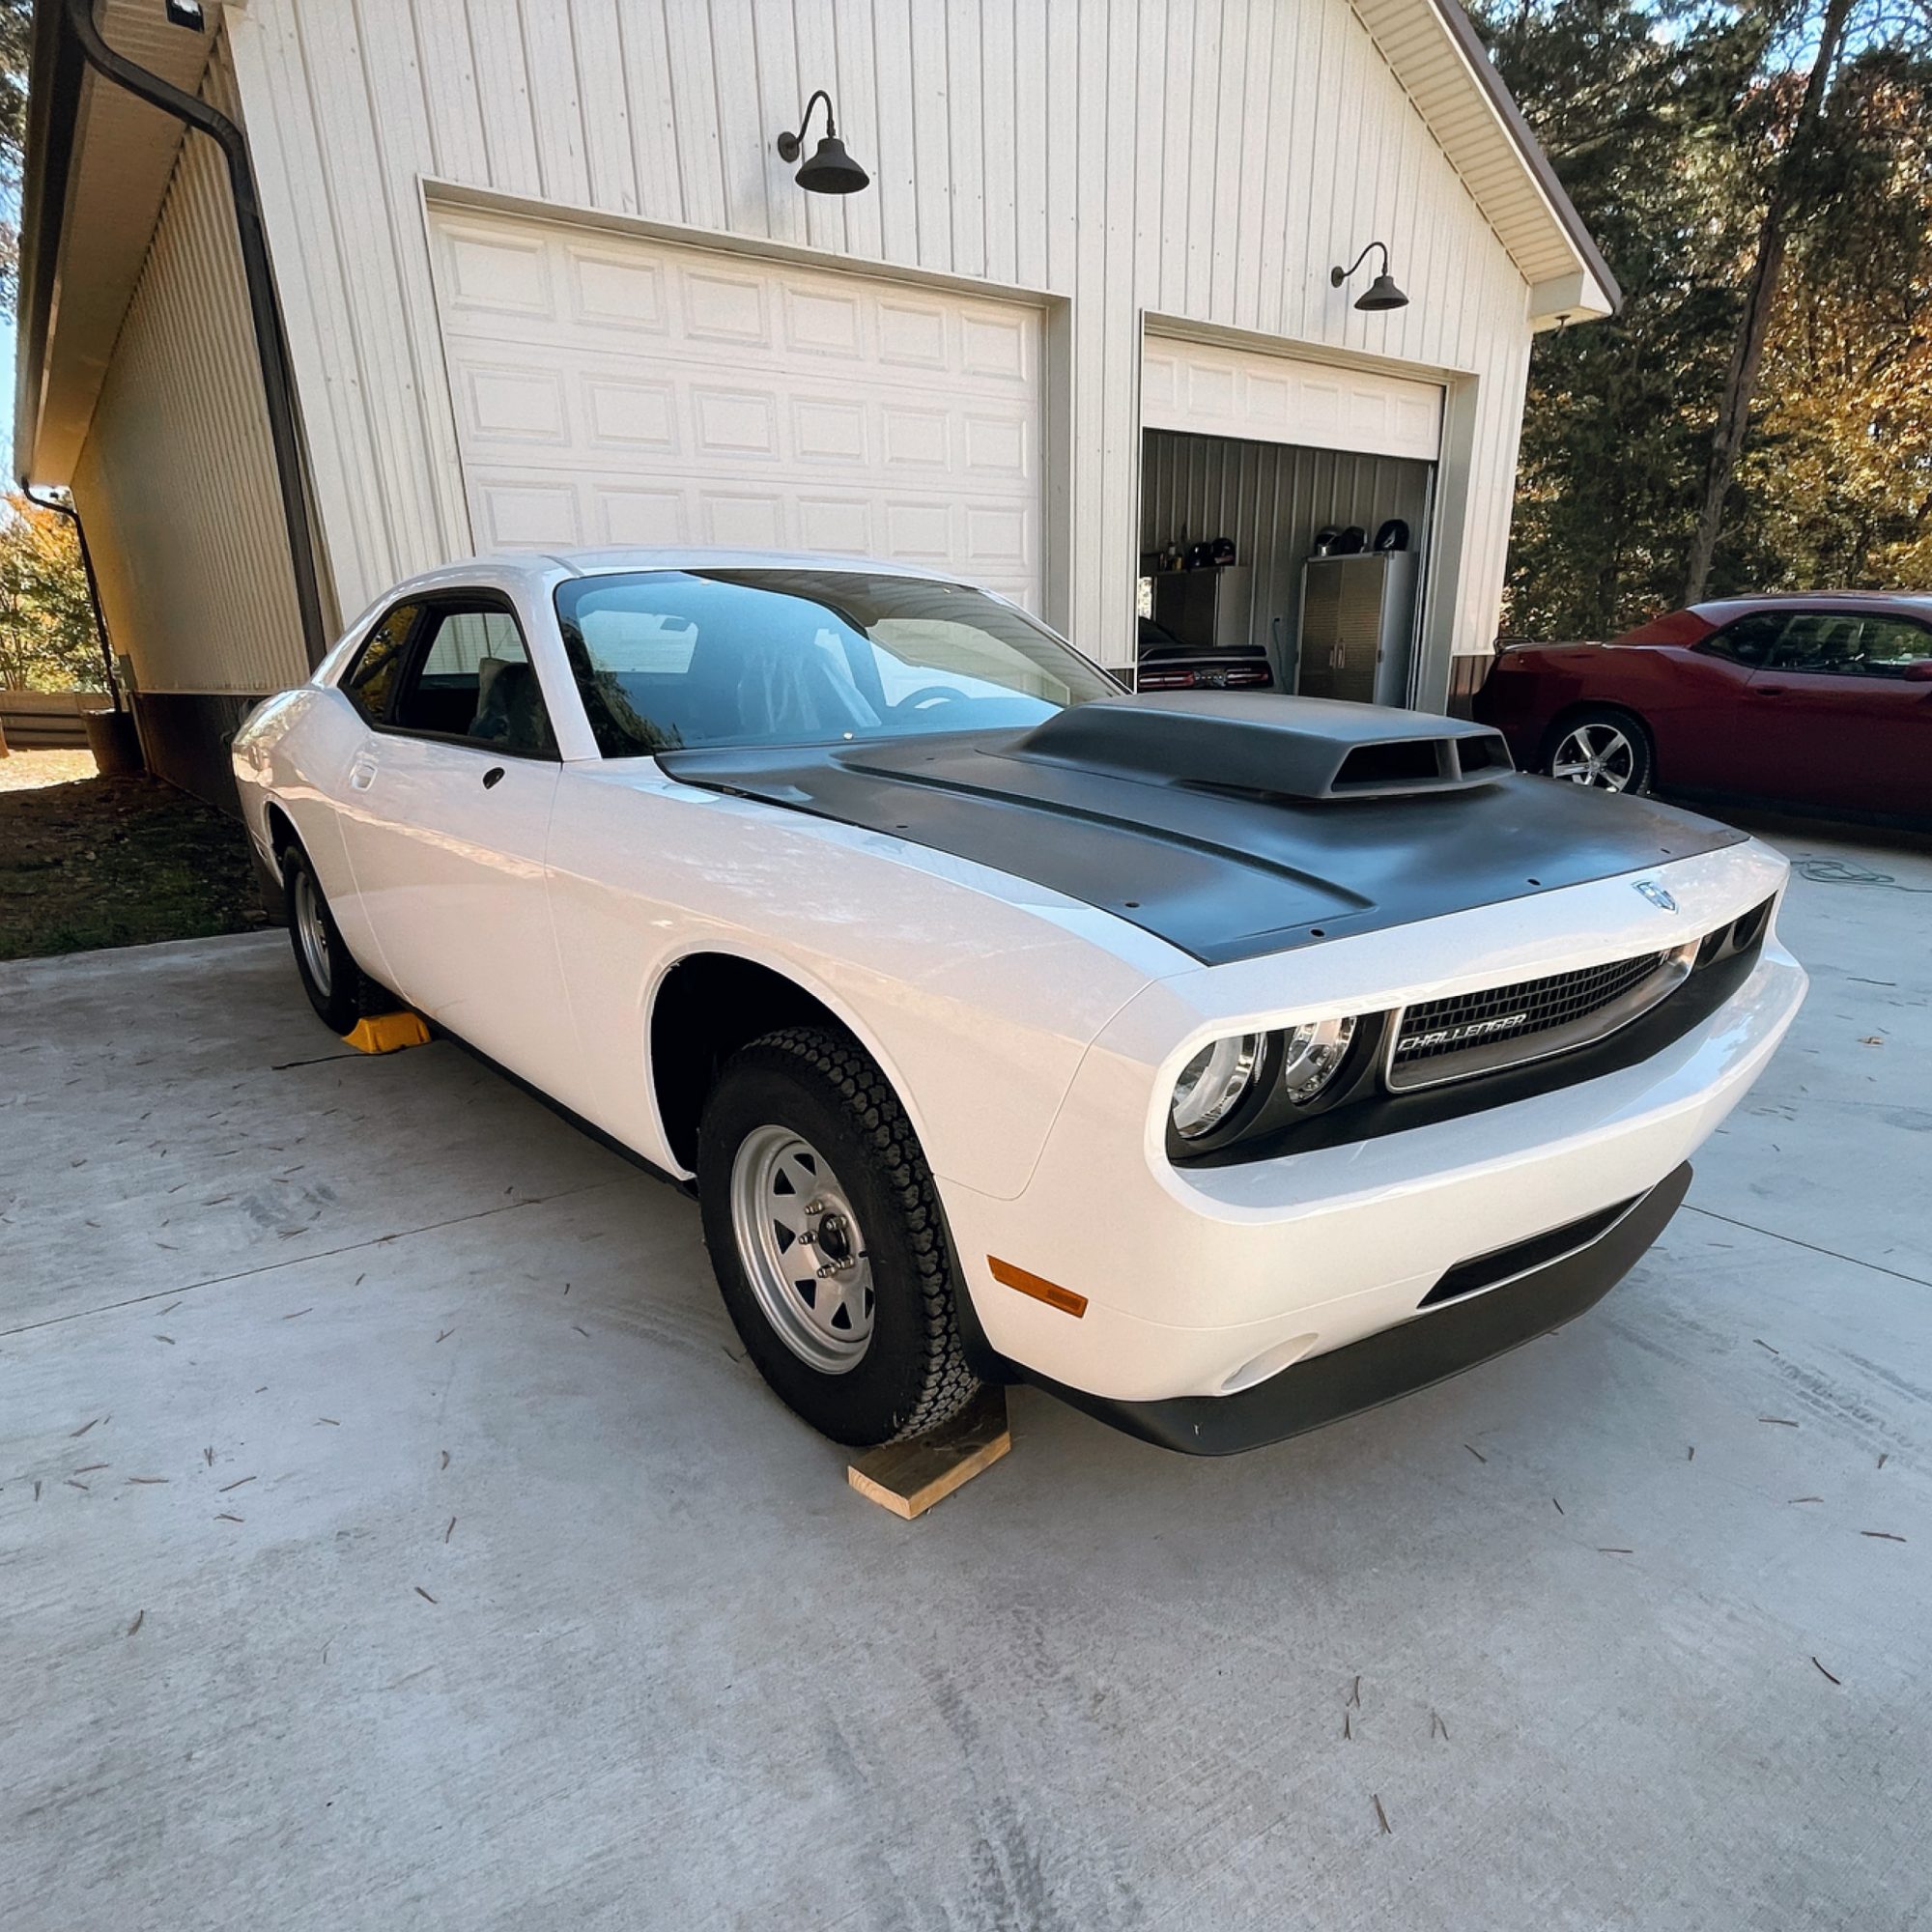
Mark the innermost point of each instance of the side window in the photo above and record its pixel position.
(1751, 641)
(371, 680)
(1818, 640)
(472, 679)
(1888, 645)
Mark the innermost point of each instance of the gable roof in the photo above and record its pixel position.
(1435, 51)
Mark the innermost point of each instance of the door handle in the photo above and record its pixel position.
(363, 774)
(494, 776)
(1771, 690)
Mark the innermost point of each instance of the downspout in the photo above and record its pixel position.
(272, 349)
(72, 516)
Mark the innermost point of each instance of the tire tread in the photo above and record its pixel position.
(840, 1064)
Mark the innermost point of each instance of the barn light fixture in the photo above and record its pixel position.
(831, 170)
(1381, 293)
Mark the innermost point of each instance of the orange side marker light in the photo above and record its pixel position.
(1042, 1290)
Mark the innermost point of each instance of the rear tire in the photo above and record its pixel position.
(337, 989)
(1603, 747)
(828, 1240)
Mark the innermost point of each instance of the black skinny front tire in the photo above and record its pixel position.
(812, 1089)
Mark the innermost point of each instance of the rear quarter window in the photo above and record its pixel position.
(1676, 627)
(370, 681)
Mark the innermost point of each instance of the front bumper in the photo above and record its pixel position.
(1397, 1361)
(1209, 1283)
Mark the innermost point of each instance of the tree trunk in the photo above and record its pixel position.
(1727, 442)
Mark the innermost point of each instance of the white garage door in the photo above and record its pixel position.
(612, 390)
(1215, 391)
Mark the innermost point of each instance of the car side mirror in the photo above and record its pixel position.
(1919, 672)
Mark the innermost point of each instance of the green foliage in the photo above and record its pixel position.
(1668, 123)
(48, 641)
(17, 26)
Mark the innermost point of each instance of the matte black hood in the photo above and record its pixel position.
(1223, 848)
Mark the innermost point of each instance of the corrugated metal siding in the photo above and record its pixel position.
(1205, 159)
(176, 477)
(1270, 500)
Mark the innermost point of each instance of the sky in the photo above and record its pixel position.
(7, 345)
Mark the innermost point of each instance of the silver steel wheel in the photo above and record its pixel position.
(802, 1249)
(1596, 754)
(311, 934)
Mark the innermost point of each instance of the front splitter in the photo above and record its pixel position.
(1432, 1346)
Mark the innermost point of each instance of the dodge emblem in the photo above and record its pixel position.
(1657, 895)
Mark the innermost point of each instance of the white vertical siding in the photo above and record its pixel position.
(1205, 159)
(176, 478)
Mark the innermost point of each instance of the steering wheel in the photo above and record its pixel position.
(930, 694)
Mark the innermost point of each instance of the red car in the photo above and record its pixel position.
(1819, 702)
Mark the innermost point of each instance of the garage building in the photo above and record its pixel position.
(536, 275)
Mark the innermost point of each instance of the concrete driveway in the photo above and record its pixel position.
(390, 1534)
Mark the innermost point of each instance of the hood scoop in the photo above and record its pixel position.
(1304, 748)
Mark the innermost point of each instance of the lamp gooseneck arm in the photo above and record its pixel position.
(805, 119)
(1339, 276)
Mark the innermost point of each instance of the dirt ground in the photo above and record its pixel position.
(88, 862)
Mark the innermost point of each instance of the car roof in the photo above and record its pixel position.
(605, 561)
(1721, 610)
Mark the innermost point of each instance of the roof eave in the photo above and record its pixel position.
(55, 71)
(1595, 292)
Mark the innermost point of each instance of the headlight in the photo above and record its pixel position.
(1213, 1082)
(1312, 1055)
(1255, 1085)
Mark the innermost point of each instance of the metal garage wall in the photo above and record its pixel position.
(1205, 159)
(176, 478)
(1271, 498)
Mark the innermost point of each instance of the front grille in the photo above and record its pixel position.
(1501, 1026)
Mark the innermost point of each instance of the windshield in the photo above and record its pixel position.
(676, 660)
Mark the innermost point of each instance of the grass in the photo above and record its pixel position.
(87, 863)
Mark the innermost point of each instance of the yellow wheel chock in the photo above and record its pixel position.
(388, 1033)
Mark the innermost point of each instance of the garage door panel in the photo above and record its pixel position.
(1207, 391)
(737, 423)
(818, 323)
(840, 525)
(985, 539)
(623, 413)
(512, 513)
(622, 515)
(494, 271)
(508, 405)
(743, 520)
(616, 391)
(610, 292)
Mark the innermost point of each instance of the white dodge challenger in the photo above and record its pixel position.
(1224, 1063)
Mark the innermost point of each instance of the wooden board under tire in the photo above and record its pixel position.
(908, 1478)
